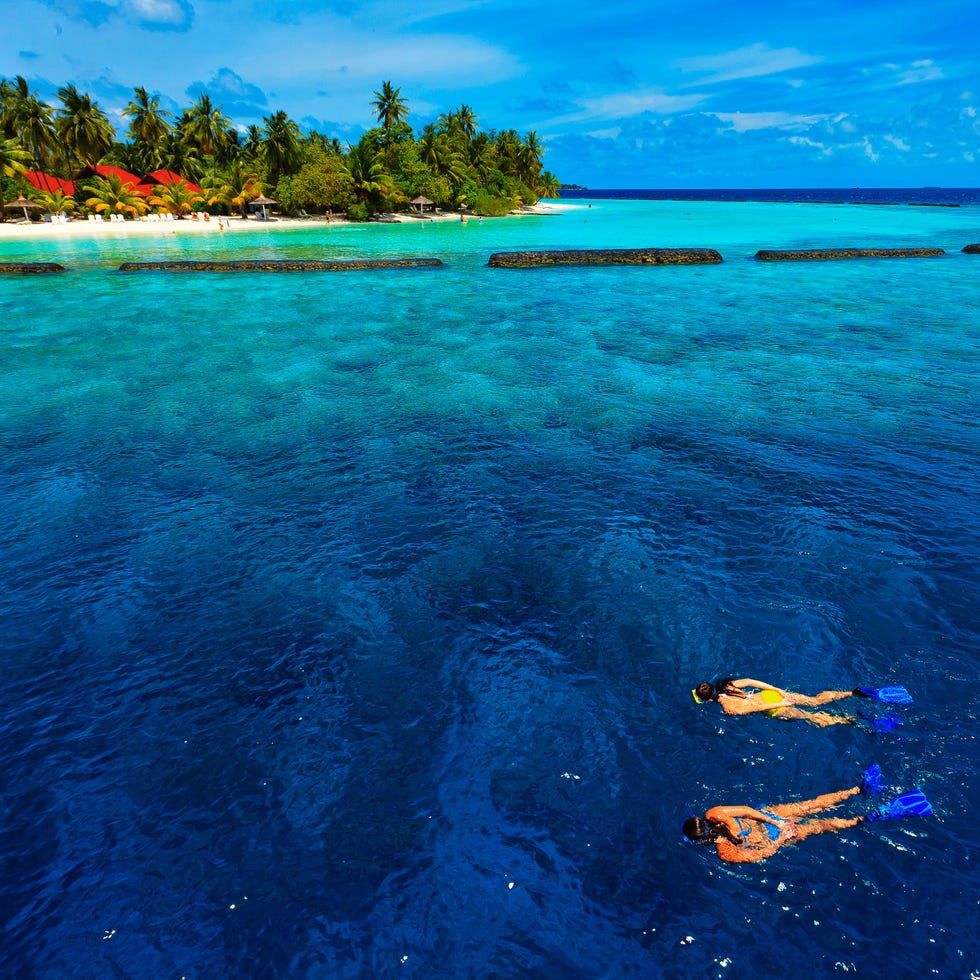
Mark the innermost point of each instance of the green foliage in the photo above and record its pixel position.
(451, 162)
(280, 148)
(357, 211)
(322, 184)
(83, 128)
(111, 194)
(492, 206)
(57, 202)
(177, 199)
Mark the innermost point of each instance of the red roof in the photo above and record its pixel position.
(167, 178)
(124, 175)
(46, 182)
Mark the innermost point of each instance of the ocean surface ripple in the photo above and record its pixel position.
(350, 623)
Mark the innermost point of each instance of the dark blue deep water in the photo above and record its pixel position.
(349, 621)
(950, 197)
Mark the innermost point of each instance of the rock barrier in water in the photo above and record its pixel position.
(972, 249)
(32, 268)
(795, 255)
(606, 256)
(280, 265)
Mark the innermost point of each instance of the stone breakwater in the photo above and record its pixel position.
(795, 255)
(31, 268)
(606, 256)
(280, 265)
(972, 249)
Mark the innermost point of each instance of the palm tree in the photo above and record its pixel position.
(214, 187)
(205, 126)
(57, 202)
(32, 122)
(176, 155)
(84, 128)
(147, 122)
(240, 186)
(329, 145)
(366, 173)
(467, 120)
(548, 185)
(13, 160)
(529, 158)
(280, 149)
(390, 109)
(428, 143)
(137, 157)
(176, 198)
(8, 94)
(252, 147)
(448, 121)
(481, 155)
(111, 194)
(508, 145)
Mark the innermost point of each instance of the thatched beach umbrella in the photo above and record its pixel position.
(421, 202)
(263, 202)
(22, 202)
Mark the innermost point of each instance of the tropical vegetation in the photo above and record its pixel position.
(450, 162)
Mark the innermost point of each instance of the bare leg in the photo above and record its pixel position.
(819, 718)
(825, 697)
(827, 824)
(806, 807)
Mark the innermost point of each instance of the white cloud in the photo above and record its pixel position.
(612, 133)
(743, 122)
(920, 71)
(751, 62)
(358, 57)
(621, 105)
(808, 143)
(157, 11)
(914, 73)
(898, 143)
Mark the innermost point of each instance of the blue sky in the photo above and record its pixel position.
(622, 93)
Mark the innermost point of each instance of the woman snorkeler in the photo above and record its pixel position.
(744, 834)
(746, 696)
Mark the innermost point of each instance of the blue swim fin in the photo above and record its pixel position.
(890, 695)
(911, 804)
(872, 781)
(886, 723)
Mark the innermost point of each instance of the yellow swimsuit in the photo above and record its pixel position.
(771, 697)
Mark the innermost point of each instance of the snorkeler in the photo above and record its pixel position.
(736, 697)
(743, 834)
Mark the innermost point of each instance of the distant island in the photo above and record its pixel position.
(69, 159)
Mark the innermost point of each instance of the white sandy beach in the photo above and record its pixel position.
(82, 228)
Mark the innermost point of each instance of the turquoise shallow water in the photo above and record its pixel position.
(350, 619)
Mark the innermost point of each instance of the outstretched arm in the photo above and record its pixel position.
(724, 812)
(761, 685)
